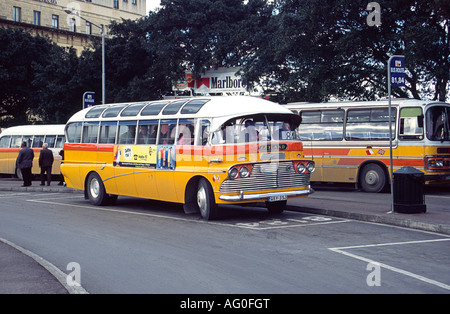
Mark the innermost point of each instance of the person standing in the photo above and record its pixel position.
(46, 162)
(24, 162)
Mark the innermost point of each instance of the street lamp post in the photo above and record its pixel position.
(75, 12)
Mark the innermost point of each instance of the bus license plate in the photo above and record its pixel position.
(277, 198)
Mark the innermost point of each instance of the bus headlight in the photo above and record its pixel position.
(311, 167)
(233, 173)
(301, 167)
(243, 172)
(435, 163)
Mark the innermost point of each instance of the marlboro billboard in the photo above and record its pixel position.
(222, 80)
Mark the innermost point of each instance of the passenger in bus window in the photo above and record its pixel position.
(164, 134)
(185, 136)
(285, 131)
(143, 135)
(248, 133)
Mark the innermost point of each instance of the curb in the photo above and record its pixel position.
(40, 189)
(52, 269)
(381, 219)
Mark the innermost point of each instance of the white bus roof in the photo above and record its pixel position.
(38, 129)
(213, 107)
(394, 101)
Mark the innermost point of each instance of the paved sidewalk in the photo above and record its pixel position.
(22, 272)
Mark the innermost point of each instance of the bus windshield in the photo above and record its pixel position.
(255, 128)
(438, 128)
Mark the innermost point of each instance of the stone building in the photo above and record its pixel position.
(49, 18)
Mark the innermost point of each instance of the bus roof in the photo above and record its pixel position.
(207, 107)
(395, 101)
(38, 129)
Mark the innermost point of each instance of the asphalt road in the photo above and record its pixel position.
(142, 246)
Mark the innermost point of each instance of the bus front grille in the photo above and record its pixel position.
(267, 176)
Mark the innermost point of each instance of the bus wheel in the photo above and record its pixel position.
(276, 207)
(373, 178)
(96, 190)
(205, 200)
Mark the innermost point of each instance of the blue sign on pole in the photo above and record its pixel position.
(88, 99)
(397, 71)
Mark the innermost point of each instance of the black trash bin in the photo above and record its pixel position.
(408, 191)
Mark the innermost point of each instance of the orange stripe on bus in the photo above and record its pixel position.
(192, 150)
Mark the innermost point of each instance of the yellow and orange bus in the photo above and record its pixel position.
(349, 141)
(35, 135)
(201, 152)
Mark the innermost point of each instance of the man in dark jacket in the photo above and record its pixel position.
(46, 162)
(25, 162)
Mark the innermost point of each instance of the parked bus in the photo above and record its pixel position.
(201, 152)
(35, 135)
(349, 141)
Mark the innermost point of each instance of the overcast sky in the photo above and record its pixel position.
(152, 4)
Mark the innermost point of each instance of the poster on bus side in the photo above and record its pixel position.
(144, 156)
(166, 157)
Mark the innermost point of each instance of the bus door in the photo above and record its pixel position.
(146, 151)
(166, 160)
(124, 166)
(411, 136)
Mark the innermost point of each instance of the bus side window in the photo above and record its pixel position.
(148, 130)
(4, 141)
(369, 124)
(204, 132)
(73, 132)
(108, 132)
(38, 141)
(60, 139)
(50, 140)
(167, 129)
(411, 127)
(28, 139)
(16, 141)
(185, 132)
(90, 132)
(127, 132)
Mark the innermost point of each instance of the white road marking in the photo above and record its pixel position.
(311, 220)
(340, 250)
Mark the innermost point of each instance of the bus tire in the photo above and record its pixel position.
(373, 178)
(276, 207)
(205, 200)
(96, 190)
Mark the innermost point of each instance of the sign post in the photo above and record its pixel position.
(396, 77)
(88, 99)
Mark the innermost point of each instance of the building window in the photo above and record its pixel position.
(88, 28)
(16, 14)
(133, 1)
(36, 17)
(55, 21)
(116, 4)
(72, 26)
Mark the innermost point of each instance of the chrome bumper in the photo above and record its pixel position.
(252, 197)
